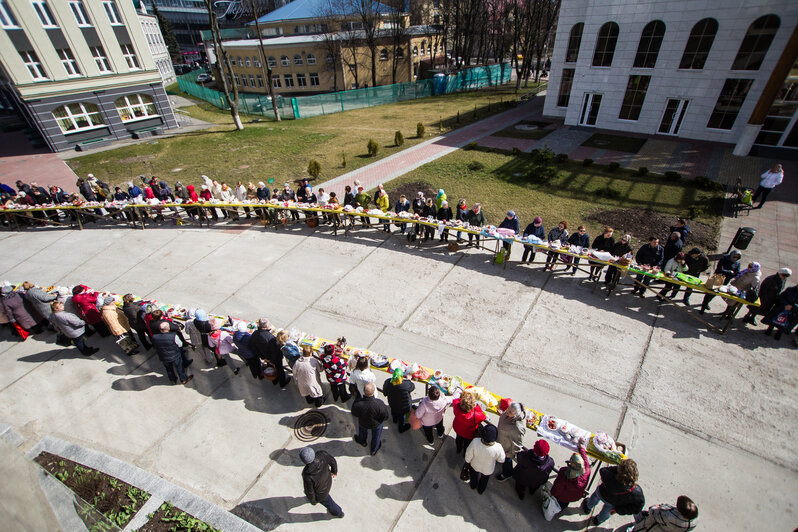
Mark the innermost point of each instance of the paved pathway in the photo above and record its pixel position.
(44, 169)
(406, 160)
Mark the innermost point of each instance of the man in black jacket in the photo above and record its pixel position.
(371, 414)
(649, 257)
(171, 354)
(264, 345)
(397, 389)
(320, 469)
(697, 263)
(769, 292)
(619, 492)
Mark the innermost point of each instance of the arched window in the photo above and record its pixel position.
(383, 55)
(574, 41)
(297, 59)
(415, 51)
(650, 41)
(698, 44)
(77, 117)
(246, 60)
(284, 61)
(271, 61)
(423, 47)
(240, 62)
(135, 106)
(756, 43)
(311, 59)
(605, 45)
(400, 53)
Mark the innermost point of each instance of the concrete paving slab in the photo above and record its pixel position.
(711, 475)
(707, 387)
(402, 275)
(20, 248)
(572, 346)
(456, 311)
(20, 358)
(332, 326)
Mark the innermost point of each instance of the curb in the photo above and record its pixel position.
(155, 485)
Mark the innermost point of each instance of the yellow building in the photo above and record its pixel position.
(309, 51)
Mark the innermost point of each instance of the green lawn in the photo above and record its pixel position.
(282, 150)
(573, 195)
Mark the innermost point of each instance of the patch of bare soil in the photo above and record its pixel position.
(410, 190)
(642, 223)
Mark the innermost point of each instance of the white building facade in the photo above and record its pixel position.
(716, 70)
(160, 54)
(80, 72)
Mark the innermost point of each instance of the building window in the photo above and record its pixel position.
(113, 14)
(314, 79)
(247, 62)
(77, 117)
(423, 46)
(311, 59)
(252, 80)
(240, 61)
(276, 82)
(45, 15)
(130, 57)
(400, 53)
(301, 81)
(605, 45)
(244, 80)
(634, 97)
(284, 61)
(330, 59)
(79, 10)
(756, 43)
(256, 62)
(298, 59)
(260, 81)
(35, 68)
(566, 82)
(574, 41)
(101, 59)
(68, 60)
(135, 107)
(415, 51)
(383, 55)
(7, 19)
(429, 49)
(271, 62)
(238, 81)
(289, 81)
(698, 44)
(650, 41)
(729, 103)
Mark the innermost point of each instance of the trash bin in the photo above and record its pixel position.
(742, 238)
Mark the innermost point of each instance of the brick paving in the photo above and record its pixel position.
(45, 169)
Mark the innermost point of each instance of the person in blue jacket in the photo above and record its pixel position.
(510, 222)
(581, 239)
(533, 229)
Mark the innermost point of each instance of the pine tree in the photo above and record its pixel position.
(168, 36)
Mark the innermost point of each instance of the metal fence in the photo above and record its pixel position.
(336, 102)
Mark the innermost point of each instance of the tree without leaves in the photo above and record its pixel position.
(368, 12)
(265, 68)
(225, 67)
(397, 34)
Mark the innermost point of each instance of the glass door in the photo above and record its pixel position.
(590, 109)
(673, 116)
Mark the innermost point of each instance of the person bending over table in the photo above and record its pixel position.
(672, 267)
(618, 250)
(729, 266)
(510, 222)
(534, 229)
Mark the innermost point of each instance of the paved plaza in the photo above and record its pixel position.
(706, 415)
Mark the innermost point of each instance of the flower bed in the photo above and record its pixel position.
(169, 518)
(116, 500)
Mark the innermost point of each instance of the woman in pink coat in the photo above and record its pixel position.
(430, 411)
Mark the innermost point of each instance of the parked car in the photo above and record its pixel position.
(204, 78)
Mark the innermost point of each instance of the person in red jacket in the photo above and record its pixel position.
(86, 303)
(467, 417)
(571, 481)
